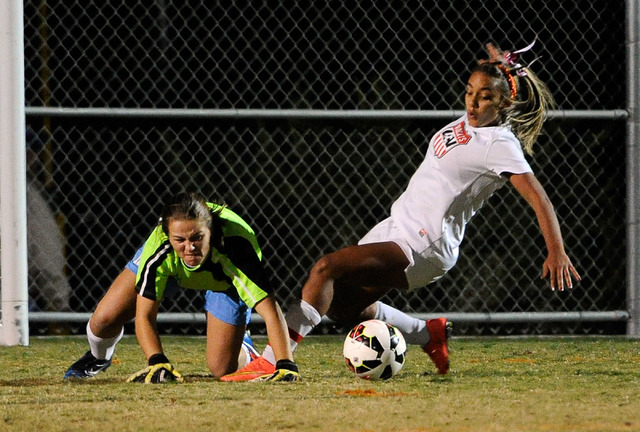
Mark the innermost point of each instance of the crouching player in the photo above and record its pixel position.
(197, 245)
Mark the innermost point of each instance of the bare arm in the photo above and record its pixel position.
(557, 266)
(145, 323)
(277, 329)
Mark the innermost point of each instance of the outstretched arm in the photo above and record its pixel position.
(286, 369)
(276, 325)
(159, 369)
(145, 323)
(557, 266)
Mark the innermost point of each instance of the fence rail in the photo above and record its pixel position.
(291, 114)
(458, 318)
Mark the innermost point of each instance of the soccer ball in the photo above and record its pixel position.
(374, 350)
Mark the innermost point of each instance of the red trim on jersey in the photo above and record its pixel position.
(439, 147)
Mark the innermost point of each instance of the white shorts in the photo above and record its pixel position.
(425, 266)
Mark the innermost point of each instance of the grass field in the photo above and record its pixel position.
(531, 384)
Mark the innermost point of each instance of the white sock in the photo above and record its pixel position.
(102, 348)
(301, 319)
(414, 330)
(269, 355)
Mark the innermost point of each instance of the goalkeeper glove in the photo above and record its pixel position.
(158, 371)
(286, 371)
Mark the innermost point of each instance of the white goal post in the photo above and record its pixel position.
(14, 319)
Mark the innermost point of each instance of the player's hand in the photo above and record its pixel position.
(286, 371)
(560, 271)
(158, 371)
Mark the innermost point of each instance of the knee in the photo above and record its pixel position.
(326, 269)
(219, 369)
(105, 325)
(108, 322)
(223, 361)
(323, 268)
(101, 321)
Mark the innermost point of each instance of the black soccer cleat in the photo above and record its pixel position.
(87, 366)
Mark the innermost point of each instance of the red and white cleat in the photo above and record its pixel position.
(257, 368)
(437, 348)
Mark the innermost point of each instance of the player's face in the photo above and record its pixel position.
(483, 100)
(190, 239)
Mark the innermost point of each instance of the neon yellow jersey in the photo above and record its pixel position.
(238, 264)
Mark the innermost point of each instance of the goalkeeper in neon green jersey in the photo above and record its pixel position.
(205, 246)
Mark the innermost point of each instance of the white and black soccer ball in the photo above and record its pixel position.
(375, 350)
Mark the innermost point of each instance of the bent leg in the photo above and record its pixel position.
(116, 307)
(345, 283)
(224, 343)
(105, 328)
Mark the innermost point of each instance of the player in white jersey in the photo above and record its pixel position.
(467, 161)
(463, 167)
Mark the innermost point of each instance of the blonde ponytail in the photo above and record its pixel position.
(529, 110)
(530, 98)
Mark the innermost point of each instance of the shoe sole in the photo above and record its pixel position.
(245, 376)
(448, 328)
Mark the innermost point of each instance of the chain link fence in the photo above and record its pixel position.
(310, 186)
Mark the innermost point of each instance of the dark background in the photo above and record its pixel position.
(309, 187)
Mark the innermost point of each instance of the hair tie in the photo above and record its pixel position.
(507, 62)
(513, 85)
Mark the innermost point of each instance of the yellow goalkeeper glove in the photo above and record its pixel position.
(158, 371)
(286, 371)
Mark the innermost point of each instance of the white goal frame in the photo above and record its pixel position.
(14, 318)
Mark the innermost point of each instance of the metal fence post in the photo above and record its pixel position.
(633, 167)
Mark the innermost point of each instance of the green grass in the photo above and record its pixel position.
(532, 384)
